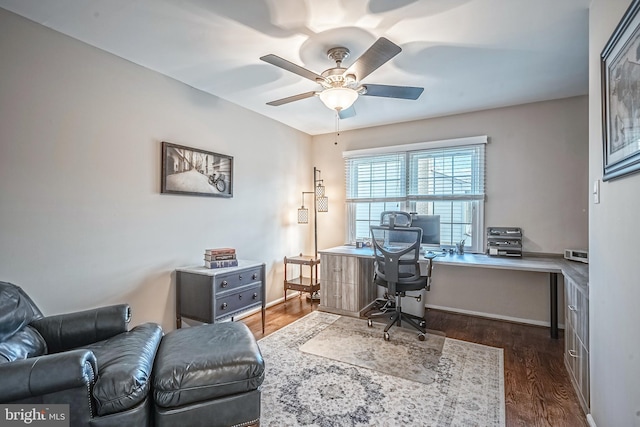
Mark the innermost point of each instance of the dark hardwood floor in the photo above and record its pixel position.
(538, 390)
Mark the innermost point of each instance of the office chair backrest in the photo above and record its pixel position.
(395, 219)
(396, 262)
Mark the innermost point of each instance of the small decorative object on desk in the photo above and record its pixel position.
(220, 258)
(460, 247)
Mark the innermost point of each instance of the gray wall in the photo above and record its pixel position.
(537, 179)
(82, 220)
(614, 288)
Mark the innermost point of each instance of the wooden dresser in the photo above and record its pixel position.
(213, 294)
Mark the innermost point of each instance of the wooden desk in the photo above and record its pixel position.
(542, 264)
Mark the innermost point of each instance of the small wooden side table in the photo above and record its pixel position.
(302, 283)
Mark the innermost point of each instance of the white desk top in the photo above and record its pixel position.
(544, 264)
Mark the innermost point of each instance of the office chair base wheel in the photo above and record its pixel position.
(387, 337)
(370, 323)
(422, 337)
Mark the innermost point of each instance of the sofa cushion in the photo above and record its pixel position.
(124, 368)
(205, 362)
(16, 310)
(25, 343)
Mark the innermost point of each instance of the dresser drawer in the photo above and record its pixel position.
(237, 279)
(231, 303)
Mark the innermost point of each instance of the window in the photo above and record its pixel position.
(445, 178)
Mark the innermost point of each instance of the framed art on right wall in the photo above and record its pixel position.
(620, 74)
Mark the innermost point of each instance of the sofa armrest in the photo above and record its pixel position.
(72, 330)
(46, 374)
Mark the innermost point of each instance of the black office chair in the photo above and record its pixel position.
(391, 219)
(396, 251)
(396, 218)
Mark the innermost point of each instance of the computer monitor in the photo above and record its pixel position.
(430, 225)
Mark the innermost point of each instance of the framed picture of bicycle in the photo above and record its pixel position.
(620, 74)
(196, 172)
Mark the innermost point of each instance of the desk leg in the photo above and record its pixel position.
(553, 304)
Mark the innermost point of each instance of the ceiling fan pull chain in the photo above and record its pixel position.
(337, 127)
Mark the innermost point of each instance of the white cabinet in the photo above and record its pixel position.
(346, 284)
(576, 339)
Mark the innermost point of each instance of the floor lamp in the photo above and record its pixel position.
(320, 204)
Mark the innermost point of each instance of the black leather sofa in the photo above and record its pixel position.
(86, 359)
(104, 372)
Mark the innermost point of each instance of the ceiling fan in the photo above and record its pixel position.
(342, 86)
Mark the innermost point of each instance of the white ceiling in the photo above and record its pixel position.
(468, 54)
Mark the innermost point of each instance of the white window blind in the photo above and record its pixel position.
(447, 173)
(448, 181)
(376, 178)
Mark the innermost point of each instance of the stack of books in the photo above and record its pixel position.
(220, 258)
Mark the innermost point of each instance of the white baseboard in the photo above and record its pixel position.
(435, 307)
(494, 316)
(591, 421)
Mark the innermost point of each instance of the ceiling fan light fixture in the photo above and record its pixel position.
(338, 98)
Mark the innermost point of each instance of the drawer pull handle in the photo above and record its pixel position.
(224, 305)
(240, 296)
(573, 353)
(255, 295)
(240, 277)
(254, 277)
(572, 307)
(224, 284)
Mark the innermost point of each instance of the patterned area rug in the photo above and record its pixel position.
(350, 340)
(302, 389)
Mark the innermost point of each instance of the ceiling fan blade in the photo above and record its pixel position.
(291, 99)
(349, 112)
(403, 92)
(379, 53)
(291, 67)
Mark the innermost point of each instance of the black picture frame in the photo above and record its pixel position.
(191, 171)
(620, 81)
